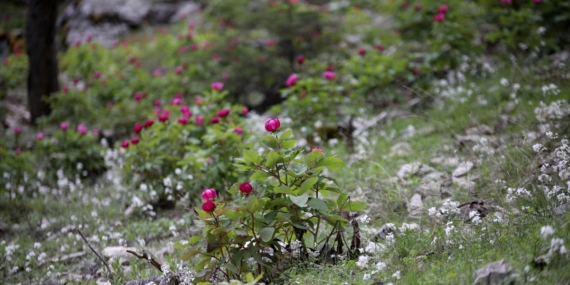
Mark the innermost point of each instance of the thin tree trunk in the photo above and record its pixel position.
(41, 49)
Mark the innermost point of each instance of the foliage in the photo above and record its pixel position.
(290, 206)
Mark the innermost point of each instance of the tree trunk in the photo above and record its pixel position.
(41, 49)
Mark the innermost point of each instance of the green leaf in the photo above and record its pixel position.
(182, 246)
(311, 158)
(285, 135)
(333, 219)
(341, 198)
(300, 200)
(252, 203)
(195, 239)
(232, 268)
(297, 168)
(259, 176)
(266, 234)
(288, 144)
(308, 184)
(332, 163)
(354, 206)
(270, 141)
(283, 190)
(189, 254)
(252, 156)
(318, 205)
(272, 158)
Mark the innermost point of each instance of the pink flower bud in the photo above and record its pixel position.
(194, 47)
(82, 129)
(244, 111)
(138, 128)
(17, 131)
(176, 102)
(269, 43)
(417, 7)
(506, 2)
(64, 125)
(238, 131)
(316, 149)
(125, 144)
(95, 132)
(362, 51)
(40, 136)
(209, 194)
(156, 72)
(178, 70)
(300, 59)
(209, 206)
(157, 103)
(18, 151)
(198, 100)
(379, 47)
(96, 75)
(537, 1)
(443, 9)
(215, 120)
(439, 17)
(292, 80)
(132, 59)
(329, 75)
(135, 140)
(183, 120)
(199, 120)
(138, 96)
(65, 89)
(272, 125)
(217, 85)
(223, 113)
(163, 116)
(245, 188)
(148, 123)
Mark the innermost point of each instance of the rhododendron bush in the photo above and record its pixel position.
(285, 208)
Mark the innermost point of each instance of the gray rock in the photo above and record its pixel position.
(401, 149)
(415, 206)
(116, 251)
(480, 130)
(463, 168)
(51, 281)
(465, 182)
(498, 272)
(414, 169)
(445, 161)
(431, 189)
(162, 13)
(562, 209)
(385, 230)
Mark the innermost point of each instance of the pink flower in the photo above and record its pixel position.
(194, 47)
(209, 206)
(96, 75)
(244, 111)
(245, 188)
(316, 149)
(138, 128)
(178, 70)
(329, 75)
(417, 7)
(300, 59)
(182, 50)
(64, 125)
(537, 1)
(18, 151)
(65, 89)
(362, 51)
(199, 120)
(138, 96)
(148, 123)
(82, 129)
(95, 132)
(440, 17)
(156, 72)
(157, 103)
(125, 144)
(223, 113)
(272, 125)
(443, 9)
(183, 120)
(40, 136)
(379, 47)
(330, 68)
(75, 81)
(132, 59)
(238, 131)
(215, 120)
(135, 140)
(506, 2)
(269, 43)
(292, 80)
(17, 131)
(217, 85)
(178, 95)
(209, 194)
(198, 100)
(176, 102)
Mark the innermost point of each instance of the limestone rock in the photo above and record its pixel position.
(493, 273)
(415, 206)
(385, 230)
(414, 169)
(401, 149)
(463, 168)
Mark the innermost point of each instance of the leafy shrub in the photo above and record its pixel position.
(17, 172)
(283, 211)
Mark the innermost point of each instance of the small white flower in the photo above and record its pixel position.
(538, 147)
(432, 211)
(504, 82)
(397, 274)
(362, 261)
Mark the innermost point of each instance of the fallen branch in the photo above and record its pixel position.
(148, 258)
(110, 275)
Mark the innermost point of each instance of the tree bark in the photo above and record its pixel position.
(41, 49)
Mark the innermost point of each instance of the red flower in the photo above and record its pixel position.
(443, 9)
(316, 149)
(238, 130)
(183, 120)
(40, 136)
(272, 125)
(209, 194)
(244, 111)
(209, 206)
(178, 70)
(17, 131)
(362, 51)
(199, 120)
(215, 120)
(379, 47)
(64, 125)
(217, 85)
(223, 113)
(329, 75)
(148, 123)
(300, 59)
(245, 188)
(125, 144)
(138, 127)
(135, 140)
(440, 17)
(82, 129)
(292, 80)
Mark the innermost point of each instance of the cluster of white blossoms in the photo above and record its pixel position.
(555, 111)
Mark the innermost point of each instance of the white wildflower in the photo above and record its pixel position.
(362, 261)
(546, 231)
(397, 274)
